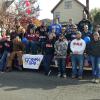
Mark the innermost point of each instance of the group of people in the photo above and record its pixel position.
(55, 42)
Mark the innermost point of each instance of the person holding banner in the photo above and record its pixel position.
(48, 54)
(61, 47)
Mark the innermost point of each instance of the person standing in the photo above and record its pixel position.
(1, 54)
(77, 47)
(69, 26)
(7, 45)
(86, 32)
(57, 27)
(48, 52)
(93, 50)
(74, 31)
(85, 21)
(30, 26)
(61, 46)
(97, 29)
(43, 36)
(19, 30)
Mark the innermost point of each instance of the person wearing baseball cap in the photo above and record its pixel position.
(94, 52)
(61, 47)
(77, 47)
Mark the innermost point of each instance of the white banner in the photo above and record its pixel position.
(32, 61)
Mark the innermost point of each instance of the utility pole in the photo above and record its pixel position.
(87, 7)
(87, 4)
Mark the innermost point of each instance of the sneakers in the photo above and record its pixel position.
(80, 77)
(49, 73)
(59, 75)
(64, 76)
(97, 81)
(1, 72)
(93, 80)
(8, 69)
(73, 77)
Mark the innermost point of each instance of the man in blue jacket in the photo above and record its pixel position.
(57, 27)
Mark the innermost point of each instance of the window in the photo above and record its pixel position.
(57, 14)
(68, 4)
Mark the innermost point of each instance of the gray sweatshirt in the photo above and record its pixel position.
(61, 49)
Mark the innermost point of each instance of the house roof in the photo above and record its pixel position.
(62, 1)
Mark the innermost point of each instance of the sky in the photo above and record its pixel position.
(47, 5)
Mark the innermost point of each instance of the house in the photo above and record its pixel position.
(4, 4)
(67, 9)
(47, 21)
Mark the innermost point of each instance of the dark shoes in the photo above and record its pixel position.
(75, 77)
(8, 69)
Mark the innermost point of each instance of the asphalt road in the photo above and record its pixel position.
(36, 86)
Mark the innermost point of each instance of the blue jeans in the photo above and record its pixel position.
(77, 60)
(3, 60)
(61, 65)
(95, 66)
(42, 46)
(31, 47)
(47, 62)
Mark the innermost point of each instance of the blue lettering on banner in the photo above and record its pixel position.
(32, 61)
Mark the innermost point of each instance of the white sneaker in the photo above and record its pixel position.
(49, 73)
(1, 72)
(93, 80)
(80, 77)
(97, 81)
(64, 76)
(59, 75)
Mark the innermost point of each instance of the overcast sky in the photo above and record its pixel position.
(47, 5)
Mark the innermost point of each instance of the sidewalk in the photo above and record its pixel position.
(36, 86)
